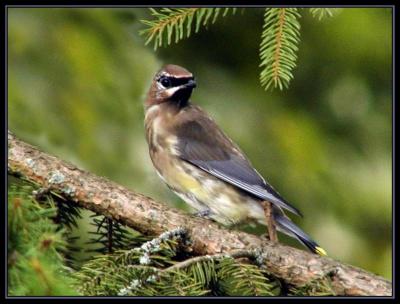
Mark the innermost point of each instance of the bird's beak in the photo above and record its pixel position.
(182, 90)
(190, 84)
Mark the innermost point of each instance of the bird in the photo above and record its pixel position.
(203, 166)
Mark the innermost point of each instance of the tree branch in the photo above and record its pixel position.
(295, 267)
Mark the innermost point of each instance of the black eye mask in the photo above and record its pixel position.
(170, 82)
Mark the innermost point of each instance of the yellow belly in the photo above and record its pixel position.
(228, 204)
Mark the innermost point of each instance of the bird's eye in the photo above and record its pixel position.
(165, 81)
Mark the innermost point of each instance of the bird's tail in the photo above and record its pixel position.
(285, 225)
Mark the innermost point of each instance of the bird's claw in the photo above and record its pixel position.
(203, 213)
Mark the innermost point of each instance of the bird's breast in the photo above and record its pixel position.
(158, 134)
(164, 155)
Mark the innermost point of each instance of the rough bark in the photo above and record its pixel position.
(296, 267)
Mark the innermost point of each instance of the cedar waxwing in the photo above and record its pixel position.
(202, 165)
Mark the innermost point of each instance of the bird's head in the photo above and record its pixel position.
(171, 84)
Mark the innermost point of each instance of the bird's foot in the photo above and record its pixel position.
(203, 213)
(272, 235)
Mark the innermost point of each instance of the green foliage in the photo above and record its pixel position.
(109, 235)
(114, 274)
(204, 272)
(317, 288)
(178, 23)
(67, 213)
(323, 12)
(240, 279)
(157, 268)
(279, 39)
(278, 49)
(35, 265)
(164, 284)
(66, 219)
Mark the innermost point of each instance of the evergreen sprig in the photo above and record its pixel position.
(279, 39)
(175, 283)
(117, 273)
(278, 49)
(240, 279)
(109, 235)
(323, 12)
(66, 218)
(156, 268)
(177, 23)
(316, 288)
(35, 263)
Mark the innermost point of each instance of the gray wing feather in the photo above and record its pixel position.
(204, 145)
(244, 178)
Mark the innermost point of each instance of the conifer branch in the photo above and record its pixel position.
(278, 49)
(232, 254)
(240, 279)
(323, 12)
(35, 265)
(178, 23)
(295, 267)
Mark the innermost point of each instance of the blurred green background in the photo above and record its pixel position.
(77, 80)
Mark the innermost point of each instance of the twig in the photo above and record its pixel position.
(233, 254)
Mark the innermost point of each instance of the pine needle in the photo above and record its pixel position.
(278, 49)
(177, 23)
(323, 12)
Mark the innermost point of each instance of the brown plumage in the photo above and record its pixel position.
(201, 164)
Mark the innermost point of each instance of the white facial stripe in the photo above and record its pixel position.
(176, 76)
(183, 76)
(172, 91)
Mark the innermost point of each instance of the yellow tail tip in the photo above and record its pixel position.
(320, 251)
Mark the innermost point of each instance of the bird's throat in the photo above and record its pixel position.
(181, 97)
